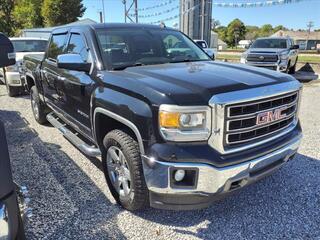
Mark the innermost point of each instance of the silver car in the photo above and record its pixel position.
(276, 53)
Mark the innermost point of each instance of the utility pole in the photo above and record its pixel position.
(101, 17)
(103, 12)
(127, 14)
(309, 26)
(202, 19)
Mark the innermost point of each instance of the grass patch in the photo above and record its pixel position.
(311, 59)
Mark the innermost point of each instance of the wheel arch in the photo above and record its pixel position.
(113, 121)
(30, 81)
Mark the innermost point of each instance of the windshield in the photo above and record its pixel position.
(133, 47)
(270, 43)
(29, 45)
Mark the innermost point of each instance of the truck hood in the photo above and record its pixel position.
(191, 83)
(267, 50)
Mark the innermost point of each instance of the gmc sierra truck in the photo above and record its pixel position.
(274, 53)
(174, 129)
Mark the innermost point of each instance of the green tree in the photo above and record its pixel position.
(222, 32)
(252, 32)
(236, 31)
(27, 13)
(266, 30)
(278, 28)
(7, 23)
(59, 12)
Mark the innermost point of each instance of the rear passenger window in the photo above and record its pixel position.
(77, 46)
(56, 46)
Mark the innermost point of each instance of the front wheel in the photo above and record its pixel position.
(292, 70)
(123, 170)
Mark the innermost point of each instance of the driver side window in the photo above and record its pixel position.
(77, 46)
(175, 47)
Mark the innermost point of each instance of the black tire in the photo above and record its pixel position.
(38, 107)
(12, 91)
(292, 70)
(138, 198)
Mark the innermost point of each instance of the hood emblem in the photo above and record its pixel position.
(271, 116)
(261, 58)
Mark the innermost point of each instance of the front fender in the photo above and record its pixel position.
(131, 111)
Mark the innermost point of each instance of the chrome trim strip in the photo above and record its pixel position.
(258, 102)
(219, 103)
(254, 127)
(293, 124)
(213, 180)
(122, 120)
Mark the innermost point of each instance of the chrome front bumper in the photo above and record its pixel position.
(212, 180)
(280, 66)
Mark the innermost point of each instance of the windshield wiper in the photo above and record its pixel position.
(122, 67)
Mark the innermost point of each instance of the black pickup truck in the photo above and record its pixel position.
(175, 129)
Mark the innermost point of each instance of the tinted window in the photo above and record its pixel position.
(202, 44)
(121, 47)
(76, 45)
(270, 43)
(29, 45)
(56, 46)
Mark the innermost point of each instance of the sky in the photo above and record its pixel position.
(293, 16)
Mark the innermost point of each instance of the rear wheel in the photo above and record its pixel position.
(123, 170)
(38, 107)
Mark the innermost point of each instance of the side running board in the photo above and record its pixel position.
(88, 150)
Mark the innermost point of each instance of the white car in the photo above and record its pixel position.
(11, 75)
(212, 52)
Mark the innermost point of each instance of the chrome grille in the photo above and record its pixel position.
(262, 58)
(241, 119)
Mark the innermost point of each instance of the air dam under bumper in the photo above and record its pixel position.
(210, 183)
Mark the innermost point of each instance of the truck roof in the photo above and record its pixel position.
(112, 25)
(273, 38)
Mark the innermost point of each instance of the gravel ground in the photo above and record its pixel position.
(70, 199)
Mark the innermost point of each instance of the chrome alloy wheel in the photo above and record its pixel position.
(118, 171)
(35, 108)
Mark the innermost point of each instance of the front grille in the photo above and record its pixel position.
(242, 123)
(262, 58)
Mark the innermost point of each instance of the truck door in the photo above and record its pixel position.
(50, 73)
(77, 86)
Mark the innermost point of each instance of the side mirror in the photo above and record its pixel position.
(7, 55)
(72, 61)
(295, 47)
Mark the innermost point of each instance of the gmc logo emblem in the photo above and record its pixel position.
(271, 116)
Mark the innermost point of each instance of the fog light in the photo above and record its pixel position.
(179, 175)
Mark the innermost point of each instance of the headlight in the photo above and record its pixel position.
(284, 56)
(243, 57)
(191, 123)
